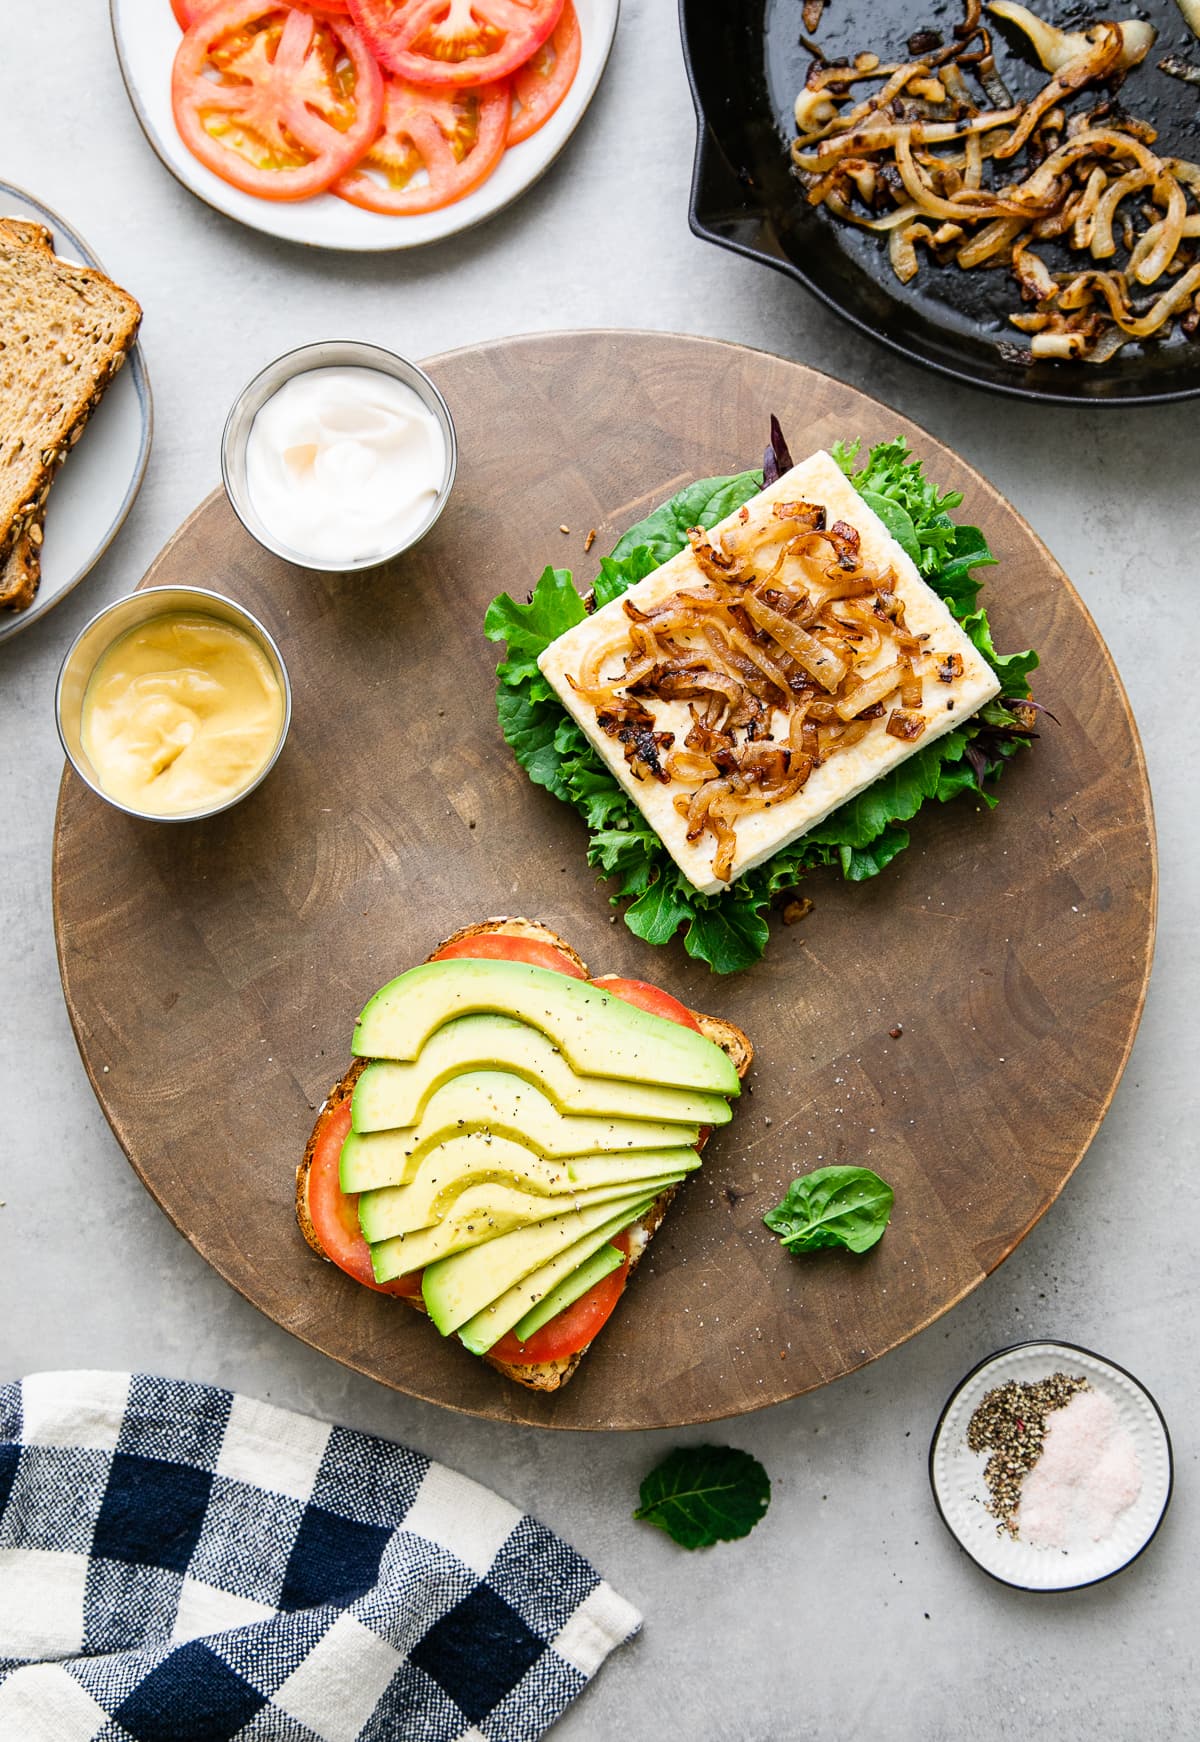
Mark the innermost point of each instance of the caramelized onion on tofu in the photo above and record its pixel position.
(794, 649)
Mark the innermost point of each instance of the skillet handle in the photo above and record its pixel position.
(718, 197)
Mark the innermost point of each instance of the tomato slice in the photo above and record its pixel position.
(541, 84)
(455, 42)
(499, 946)
(453, 138)
(647, 997)
(189, 12)
(573, 1328)
(334, 1213)
(276, 101)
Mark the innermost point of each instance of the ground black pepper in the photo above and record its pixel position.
(1010, 1422)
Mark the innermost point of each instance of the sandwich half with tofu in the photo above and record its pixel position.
(764, 679)
(508, 1139)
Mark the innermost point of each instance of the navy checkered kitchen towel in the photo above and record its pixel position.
(180, 1564)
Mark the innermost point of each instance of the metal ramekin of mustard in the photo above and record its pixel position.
(173, 703)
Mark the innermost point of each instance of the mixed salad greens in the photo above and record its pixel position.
(729, 930)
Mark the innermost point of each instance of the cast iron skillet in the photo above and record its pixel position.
(746, 63)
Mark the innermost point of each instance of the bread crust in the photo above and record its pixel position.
(21, 532)
(543, 1375)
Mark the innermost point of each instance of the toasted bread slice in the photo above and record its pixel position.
(22, 568)
(68, 330)
(545, 1375)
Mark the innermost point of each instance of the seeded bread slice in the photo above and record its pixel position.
(22, 569)
(544, 1375)
(65, 331)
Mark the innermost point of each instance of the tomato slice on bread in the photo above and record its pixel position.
(275, 100)
(649, 998)
(541, 84)
(492, 946)
(573, 1328)
(433, 147)
(455, 42)
(334, 1213)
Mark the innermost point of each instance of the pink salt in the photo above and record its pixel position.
(1087, 1476)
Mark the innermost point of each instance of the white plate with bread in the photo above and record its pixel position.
(75, 422)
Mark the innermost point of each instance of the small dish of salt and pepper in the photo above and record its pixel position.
(1051, 1466)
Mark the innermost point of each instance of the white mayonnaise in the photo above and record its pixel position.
(344, 464)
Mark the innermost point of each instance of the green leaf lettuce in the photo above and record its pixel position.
(729, 930)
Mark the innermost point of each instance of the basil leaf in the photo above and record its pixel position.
(832, 1206)
(701, 1495)
(701, 504)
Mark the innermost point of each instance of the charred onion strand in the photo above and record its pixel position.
(929, 166)
(793, 649)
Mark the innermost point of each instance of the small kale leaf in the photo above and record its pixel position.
(705, 1494)
(832, 1206)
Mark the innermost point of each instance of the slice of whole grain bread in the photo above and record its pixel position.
(543, 1375)
(65, 331)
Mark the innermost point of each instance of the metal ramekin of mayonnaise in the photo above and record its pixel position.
(173, 703)
(339, 456)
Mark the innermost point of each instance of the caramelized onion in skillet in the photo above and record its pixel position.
(955, 170)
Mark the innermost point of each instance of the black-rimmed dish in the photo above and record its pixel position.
(956, 1473)
(746, 64)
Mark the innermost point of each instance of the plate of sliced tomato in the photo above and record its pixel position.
(361, 124)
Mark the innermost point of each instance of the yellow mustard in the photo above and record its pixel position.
(180, 714)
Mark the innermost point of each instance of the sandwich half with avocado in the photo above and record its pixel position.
(508, 1139)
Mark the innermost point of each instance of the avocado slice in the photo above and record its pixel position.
(500, 1105)
(388, 1095)
(486, 1213)
(569, 1290)
(551, 1288)
(476, 1160)
(461, 1286)
(598, 1033)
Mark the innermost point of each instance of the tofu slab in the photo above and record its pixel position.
(761, 833)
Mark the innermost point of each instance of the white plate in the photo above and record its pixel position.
(147, 37)
(957, 1473)
(99, 479)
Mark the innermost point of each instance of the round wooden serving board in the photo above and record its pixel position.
(213, 970)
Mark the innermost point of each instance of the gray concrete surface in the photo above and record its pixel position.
(849, 1613)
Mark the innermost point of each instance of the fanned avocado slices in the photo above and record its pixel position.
(463, 1286)
(496, 1104)
(598, 1033)
(469, 1163)
(390, 1095)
